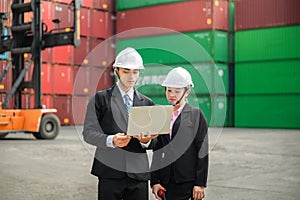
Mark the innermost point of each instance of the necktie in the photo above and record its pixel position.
(127, 103)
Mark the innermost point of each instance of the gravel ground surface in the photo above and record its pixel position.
(244, 164)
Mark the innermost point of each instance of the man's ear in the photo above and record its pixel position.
(188, 92)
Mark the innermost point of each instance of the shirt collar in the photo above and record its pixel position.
(130, 92)
(180, 108)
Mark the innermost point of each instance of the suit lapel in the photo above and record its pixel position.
(118, 109)
(176, 125)
(137, 99)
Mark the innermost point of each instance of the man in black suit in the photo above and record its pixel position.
(180, 159)
(120, 162)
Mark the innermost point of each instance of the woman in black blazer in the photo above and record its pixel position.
(180, 159)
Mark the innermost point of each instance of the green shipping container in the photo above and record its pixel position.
(130, 4)
(221, 79)
(267, 111)
(267, 44)
(207, 78)
(152, 77)
(180, 48)
(267, 77)
(204, 103)
(220, 111)
(216, 115)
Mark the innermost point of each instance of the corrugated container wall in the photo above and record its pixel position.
(190, 34)
(62, 85)
(267, 59)
(253, 14)
(183, 17)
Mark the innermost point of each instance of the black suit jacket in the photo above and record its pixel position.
(183, 158)
(106, 115)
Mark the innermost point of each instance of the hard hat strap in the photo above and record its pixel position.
(185, 90)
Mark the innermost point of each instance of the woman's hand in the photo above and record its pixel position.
(155, 189)
(198, 192)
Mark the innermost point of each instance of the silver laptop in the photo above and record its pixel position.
(155, 119)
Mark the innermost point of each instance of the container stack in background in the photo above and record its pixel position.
(267, 64)
(248, 67)
(60, 65)
(203, 22)
(5, 84)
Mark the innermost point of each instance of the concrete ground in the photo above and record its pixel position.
(245, 164)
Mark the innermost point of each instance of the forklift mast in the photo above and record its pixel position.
(32, 38)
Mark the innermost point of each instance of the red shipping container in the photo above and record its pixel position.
(79, 104)
(99, 4)
(101, 78)
(183, 17)
(5, 7)
(10, 103)
(82, 80)
(62, 79)
(253, 14)
(65, 14)
(63, 54)
(64, 1)
(87, 3)
(101, 24)
(48, 14)
(47, 55)
(27, 101)
(29, 73)
(63, 104)
(85, 21)
(47, 78)
(102, 52)
(81, 52)
(104, 4)
(47, 101)
(6, 83)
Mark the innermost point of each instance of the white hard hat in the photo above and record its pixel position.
(129, 58)
(178, 78)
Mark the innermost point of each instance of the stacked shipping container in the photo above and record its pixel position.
(244, 61)
(267, 58)
(191, 34)
(5, 84)
(70, 75)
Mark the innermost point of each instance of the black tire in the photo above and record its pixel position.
(49, 127)
(3, 135)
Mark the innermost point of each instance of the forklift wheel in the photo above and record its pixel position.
(3, 135)
(49, 127)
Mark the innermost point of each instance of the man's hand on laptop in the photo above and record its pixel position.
(145, 138)
(121, 140)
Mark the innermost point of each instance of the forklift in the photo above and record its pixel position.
(31, 38)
